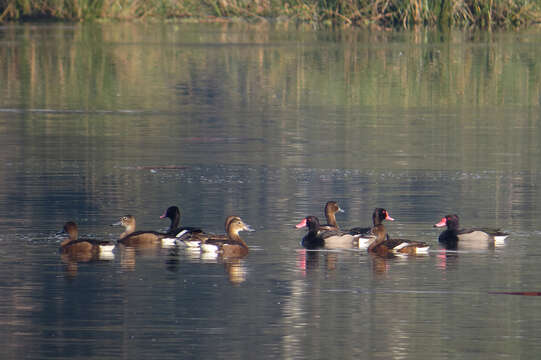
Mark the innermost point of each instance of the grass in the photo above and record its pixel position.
(374, 13)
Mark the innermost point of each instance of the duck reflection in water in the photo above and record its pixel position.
(236, 271)
(309, 260)
(380, 264)
(447, 259)
(74, 250)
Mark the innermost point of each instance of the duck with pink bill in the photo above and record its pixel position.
(473, 237)
(319, 238)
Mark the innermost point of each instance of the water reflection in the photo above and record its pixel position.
(309, 260)
(234, 267)
(76, 250)
(447, 259)
(380, 264)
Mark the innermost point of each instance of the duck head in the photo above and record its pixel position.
(332, 207)
(236, 225)
(451, 221)
(70, 228)
(311, 222)
(128, 221)
(379, 215)
(172, 213)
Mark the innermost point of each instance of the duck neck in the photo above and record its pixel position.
(66, 242)
(235, 237)
(452, 226)
(331, 218)
(73, 234)
(175, 222)
(380, 233)
(128, 230)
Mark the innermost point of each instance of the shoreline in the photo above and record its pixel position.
(392, 14)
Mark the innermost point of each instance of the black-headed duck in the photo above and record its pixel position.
(233, 246)
(175, 231)
(318, 237)
(130, 237)
(469, 238)
(385, 246)
(82, 248)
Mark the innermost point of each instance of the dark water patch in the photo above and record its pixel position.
(520, 293)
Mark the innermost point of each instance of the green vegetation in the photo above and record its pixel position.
(376, 13)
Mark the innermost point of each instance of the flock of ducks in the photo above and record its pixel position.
(375, 239)
(228, 245)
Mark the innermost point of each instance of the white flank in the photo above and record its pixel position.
(500, 240)
(108, 255)
(365, 242)
(181, 233)
(422, 250)
(400, 246)
(107, 248)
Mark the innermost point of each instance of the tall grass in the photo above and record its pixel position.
(379, 13)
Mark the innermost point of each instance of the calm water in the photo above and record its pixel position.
(98, 121)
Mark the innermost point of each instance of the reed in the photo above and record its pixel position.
(375, 13)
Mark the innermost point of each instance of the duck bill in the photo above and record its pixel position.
(301, 224)
(248, 228)
(387, 217)
(442, 223)
(341, 210)
(117, 223)
(163, 216)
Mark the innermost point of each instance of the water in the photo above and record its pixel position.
(267, 122)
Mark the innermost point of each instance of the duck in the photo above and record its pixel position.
(194, 239)
(472, 238)
(231, 247)
(331, 208)
(130, 237)
(365, 235)
(384, 246)
(82, 248)
(175, 231)
(318, 237)
(378, 215)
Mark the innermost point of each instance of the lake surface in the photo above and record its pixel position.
(268, 123)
